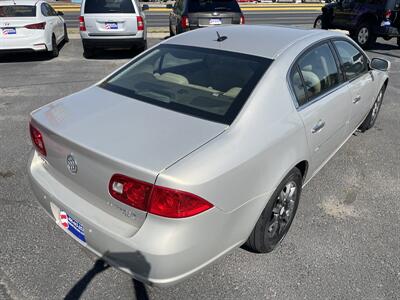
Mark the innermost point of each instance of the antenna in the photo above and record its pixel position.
(221, 38)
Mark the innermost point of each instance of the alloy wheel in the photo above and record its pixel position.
(282, 211)
(363, 35)
(377, 106)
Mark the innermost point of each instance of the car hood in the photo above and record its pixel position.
(135, 133)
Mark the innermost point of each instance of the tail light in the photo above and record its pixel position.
(41, 25)
(184, 22)
(241, 19)
(37, 139)
(155, 199)
(140, 23)
(387, 14)
(82, 26)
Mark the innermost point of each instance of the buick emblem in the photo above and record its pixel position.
(71, 164)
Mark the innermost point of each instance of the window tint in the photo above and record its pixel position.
(206, 83)
(213, 5)
(11, 11)
(319, 70)
(109, 6)
(353, 62)
(298, 87)
(51, 11)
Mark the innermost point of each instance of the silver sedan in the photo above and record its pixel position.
(200, 144)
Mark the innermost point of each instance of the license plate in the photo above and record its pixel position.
(9, 31)
(215, 22)
(73, 226)
(111, 25)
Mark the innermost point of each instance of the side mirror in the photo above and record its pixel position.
(60, 13)
(145, 7)
(380, 64)
(169, 6)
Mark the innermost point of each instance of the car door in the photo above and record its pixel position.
(323, 102)
(361, 80)
(58, 21)
(343, 13)
(51, 23)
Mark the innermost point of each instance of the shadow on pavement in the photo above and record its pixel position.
(134, 261)
(106, 54)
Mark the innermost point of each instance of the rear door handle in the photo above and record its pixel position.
(318, 127)
(356, 99)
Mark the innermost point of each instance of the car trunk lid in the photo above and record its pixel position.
(107, 133)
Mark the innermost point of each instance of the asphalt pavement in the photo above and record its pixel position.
(344, 242)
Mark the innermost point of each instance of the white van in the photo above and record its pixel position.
(112, 24)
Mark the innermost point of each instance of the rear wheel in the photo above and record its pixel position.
(54, 52)
(369, 121)
(66, 38)
(364, 36)
(277, 216)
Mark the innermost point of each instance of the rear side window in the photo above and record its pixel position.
(298, 87)
(353, 62)
(206, 83)
(319, 70)
(12, 11)
(213, 5)
(109, 7)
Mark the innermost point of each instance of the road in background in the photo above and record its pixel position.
(280, 17)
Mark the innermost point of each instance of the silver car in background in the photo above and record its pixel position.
(112, 24)
(200, 144)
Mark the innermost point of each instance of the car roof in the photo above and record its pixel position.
(259, 40)
(19, 2)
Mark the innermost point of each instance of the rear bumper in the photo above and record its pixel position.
(24, 44)
(163, 251)
(388, 31)
(113, 41)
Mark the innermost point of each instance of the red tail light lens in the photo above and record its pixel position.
(388, 14)
(241, 19)
(185, 22)
(140, 23)
(130, 191)
(172, 203)
(156, 200)
(82, 26)
(41, 25)
(37, 140)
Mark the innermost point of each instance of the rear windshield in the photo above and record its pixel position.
(213, 5)
(12, 11)
(206, 83)
(109, 7)
(393, 4)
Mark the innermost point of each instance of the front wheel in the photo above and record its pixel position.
(369, 121)
(364, 36)
(277, 216)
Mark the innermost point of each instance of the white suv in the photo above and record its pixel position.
(112, 24)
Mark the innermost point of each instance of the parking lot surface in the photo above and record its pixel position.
(344, 242)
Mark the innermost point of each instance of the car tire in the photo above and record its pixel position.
(370, 120)
(364, 36)
(277, 216)
(54, 52)
(171, 33)
(398, 41)
(66, 38)
(319, 23)
(142, 47)
(88, 52)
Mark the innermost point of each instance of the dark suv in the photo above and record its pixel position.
(364, 19)
(191, 14)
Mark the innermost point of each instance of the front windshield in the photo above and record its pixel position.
(205, 83)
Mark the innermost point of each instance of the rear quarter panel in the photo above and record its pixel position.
(246, 163)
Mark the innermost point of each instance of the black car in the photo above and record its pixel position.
(364, 19)
(191, 14)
